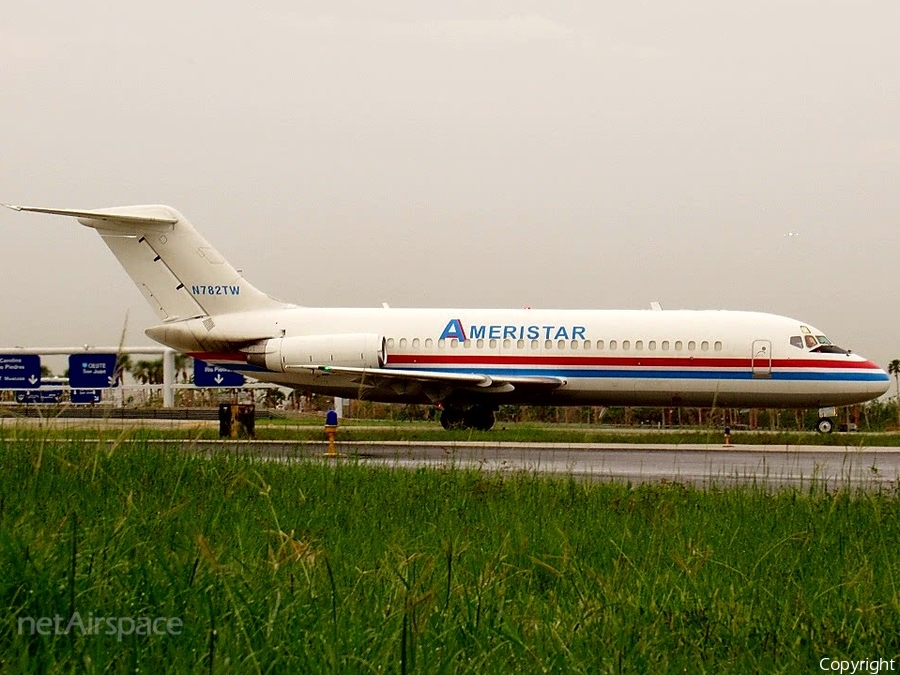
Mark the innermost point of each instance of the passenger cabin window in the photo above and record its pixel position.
(612, 344)
(639, 345)
(652, 345)
(704, 346)
(797, 341)
(665, 345)
(626, 344)
(429, 343)
(390, 342)
(692, 346)
(678, 345)
(415, 343)
(718, 346)
(402, 343)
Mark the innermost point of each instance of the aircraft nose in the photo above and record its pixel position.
(880, 385)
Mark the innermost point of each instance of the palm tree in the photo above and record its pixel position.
(183, 363)
(124, 365)
(139, 371)
(148, 372)
(894, 369)
(273, 398)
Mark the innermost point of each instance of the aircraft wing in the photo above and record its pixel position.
(403, 379)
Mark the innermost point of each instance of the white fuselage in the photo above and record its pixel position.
(604, 357)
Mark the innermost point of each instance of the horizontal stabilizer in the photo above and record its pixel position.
(133, 215)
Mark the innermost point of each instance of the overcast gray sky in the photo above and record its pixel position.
(465, 154)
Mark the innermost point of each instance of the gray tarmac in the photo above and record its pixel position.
(853, 466)
(706, 465)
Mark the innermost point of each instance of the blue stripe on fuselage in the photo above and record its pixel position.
(666, 374)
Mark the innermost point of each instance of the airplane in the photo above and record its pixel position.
(468, 362)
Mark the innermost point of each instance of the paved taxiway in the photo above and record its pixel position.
(694, 464)
(713, 464)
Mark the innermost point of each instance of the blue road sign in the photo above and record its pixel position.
(20, 371)
(85, 395)
(39, 396)
(209, 375)
(92, 371)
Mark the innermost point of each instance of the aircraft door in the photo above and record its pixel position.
(761, 359)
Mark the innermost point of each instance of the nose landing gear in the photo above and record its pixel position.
(825, 425)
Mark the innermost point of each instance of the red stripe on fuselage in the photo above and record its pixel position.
(632, 361)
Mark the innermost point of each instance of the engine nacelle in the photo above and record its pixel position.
(357, 350)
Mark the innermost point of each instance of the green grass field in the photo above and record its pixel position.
(343, 568)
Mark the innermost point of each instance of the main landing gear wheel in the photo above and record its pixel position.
(824, 425)
(452, 418)
(476, 417)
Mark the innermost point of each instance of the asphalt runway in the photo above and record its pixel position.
(705, 465)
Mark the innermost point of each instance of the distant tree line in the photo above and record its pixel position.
(879, 415)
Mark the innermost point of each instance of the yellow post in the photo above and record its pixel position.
(330, 431)
(727, 437)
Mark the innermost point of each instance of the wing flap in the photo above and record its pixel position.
(479, 381)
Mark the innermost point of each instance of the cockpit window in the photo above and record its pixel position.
(817, 344)
(830, 349)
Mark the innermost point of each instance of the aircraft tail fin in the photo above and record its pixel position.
(178, 271)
